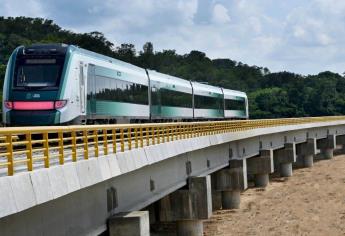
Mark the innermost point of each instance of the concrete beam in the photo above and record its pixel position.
(261, 166)
(283, 159)
(134, 223)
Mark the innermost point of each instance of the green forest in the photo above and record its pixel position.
(271, 95)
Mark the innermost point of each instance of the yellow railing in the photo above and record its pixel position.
(22, 147)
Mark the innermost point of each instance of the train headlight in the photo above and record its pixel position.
(9, 104)
(60, 104)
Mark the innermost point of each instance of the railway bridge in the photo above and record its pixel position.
(119, 179)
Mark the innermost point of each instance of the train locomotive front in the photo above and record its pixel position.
(34, 86)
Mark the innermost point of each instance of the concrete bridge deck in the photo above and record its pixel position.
(89, 174)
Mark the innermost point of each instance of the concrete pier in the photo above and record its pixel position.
(261, 180)
(340, 140)
(305, 153)
(285, 169)
(216, 195)
(230, 182)
(134, 223)
(327, 153)
(189, 228)
(283, 159)
(231, 199)
(261, 166)
(326, 146)
(189, 206)
(308, 161)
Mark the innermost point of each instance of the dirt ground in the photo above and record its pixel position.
(311, 202)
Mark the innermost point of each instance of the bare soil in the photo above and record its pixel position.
(311, 202)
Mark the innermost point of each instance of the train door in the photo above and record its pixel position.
(82, 87)
(91, 103)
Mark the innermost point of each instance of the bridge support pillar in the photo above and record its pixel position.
(327, 145)
(190, 227)
(216, 195)
(341, 141)
(305, 153)
(261, 166)
(134, 223)
(283, 159)
(285, 169)
(188, 207)
(230, 182)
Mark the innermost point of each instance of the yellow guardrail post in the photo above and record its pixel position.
(129, 138)
(46, 150)
(141, 137)
(95, 141)
(153, 137)
(105, 142)
(122, 141)
(158, 135)
(173, 133)
(167, 130)
(136, 137)
(61, 148)
(165, 134)
(74, 146)
(114, 140)
(86, 144)
(9, 150)
(147, 134)
(29, 149)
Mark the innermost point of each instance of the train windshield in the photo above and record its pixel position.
(38, 73)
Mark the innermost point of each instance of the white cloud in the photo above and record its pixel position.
(304, 36)
(14, 8)
(220, 14)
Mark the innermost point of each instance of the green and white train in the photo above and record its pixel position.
(53, 84)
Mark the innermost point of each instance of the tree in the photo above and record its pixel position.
(126, 52)
(148, 48)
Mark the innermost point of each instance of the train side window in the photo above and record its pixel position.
(176, 98)
(205, 102)
(232, 104)
(110, 89)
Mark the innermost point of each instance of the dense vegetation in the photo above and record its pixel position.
(282, 94)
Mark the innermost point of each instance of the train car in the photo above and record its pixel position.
(208, 101)
(235, 104)
(57, 84)
(171, 97)
(61, 84)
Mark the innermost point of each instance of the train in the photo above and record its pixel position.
(59, 84)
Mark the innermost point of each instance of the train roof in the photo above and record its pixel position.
(230, 92)
(168, 79)
(104, 58)
(205, 89)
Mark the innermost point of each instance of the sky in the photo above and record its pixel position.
(301, 36)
